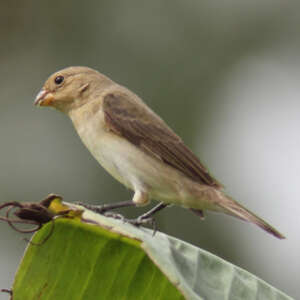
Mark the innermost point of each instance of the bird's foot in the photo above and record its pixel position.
(143, 220)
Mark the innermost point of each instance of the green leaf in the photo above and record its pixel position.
(94, 257)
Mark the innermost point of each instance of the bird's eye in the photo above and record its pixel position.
(59, 79)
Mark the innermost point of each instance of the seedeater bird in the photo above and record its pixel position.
(136, 146)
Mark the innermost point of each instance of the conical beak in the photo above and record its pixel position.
(44, 98)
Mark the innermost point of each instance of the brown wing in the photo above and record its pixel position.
(130, 118)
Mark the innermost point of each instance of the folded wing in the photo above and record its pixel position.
(130, 118)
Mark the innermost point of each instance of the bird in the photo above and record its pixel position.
(137, 147)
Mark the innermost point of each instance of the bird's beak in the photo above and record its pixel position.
(44, 98)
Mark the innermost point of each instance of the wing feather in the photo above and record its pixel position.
(130, 118)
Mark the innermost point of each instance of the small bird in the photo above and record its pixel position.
(137, 147)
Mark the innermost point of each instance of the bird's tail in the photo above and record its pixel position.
(233, 208)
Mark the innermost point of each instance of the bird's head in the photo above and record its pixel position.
(70, 88)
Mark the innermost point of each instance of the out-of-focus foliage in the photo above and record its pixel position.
(223, 74)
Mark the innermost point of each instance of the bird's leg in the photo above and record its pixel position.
(152, 211)
(101, 209)
(147, 218)
(139, 199)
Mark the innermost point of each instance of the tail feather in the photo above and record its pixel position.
(233, 208)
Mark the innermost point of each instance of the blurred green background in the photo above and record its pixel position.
(223, 74)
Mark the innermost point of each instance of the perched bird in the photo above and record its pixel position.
(136, 146)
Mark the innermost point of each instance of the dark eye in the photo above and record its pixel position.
(59, 79)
